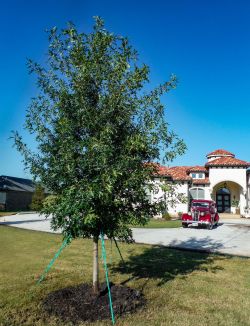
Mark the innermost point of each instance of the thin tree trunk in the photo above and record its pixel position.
(95, 266)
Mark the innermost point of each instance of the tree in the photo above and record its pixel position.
(96, 132)
(38, 198)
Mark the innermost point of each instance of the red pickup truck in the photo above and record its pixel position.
(202, 213)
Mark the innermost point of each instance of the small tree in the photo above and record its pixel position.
(96, 130)
(37, 198)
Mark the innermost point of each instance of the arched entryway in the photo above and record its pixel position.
(229, 196)
(223, 200)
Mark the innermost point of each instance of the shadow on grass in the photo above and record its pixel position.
(20, 222)
(165, 264)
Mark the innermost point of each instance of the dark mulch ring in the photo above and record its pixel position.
(78, 303)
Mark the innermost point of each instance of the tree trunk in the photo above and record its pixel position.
(95, 266)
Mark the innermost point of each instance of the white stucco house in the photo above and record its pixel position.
(224, 179)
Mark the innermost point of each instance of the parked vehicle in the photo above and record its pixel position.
(202, 213)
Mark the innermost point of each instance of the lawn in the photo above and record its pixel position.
(159, 223)
(7, 213)
(182, 288)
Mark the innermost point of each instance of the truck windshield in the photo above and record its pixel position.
(200, 204)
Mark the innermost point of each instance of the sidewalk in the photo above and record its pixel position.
(229, 216)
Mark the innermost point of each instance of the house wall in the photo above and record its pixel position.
(207, 192)
(248, 190)
(159, 194)
(181, 188)
(18, 200)
(237, 175)
(2, 200)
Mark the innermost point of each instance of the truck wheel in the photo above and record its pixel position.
(184, 225)
(210, 226)
(217, 220)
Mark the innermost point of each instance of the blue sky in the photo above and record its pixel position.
(205, 43)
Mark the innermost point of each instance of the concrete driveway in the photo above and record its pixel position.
(230, 237)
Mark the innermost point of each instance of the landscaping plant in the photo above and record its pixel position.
(38, 198)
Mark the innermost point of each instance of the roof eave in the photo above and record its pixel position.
(228, 165)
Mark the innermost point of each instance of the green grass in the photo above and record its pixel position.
(182, 288)
(159, 223)
(7, 213)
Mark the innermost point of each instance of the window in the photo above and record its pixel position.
(197, 175)
(197, 204)
(223, 191)
(197, 193)
(200, 193)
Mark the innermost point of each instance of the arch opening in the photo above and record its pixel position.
(228, 196)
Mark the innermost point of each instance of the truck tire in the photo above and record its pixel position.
(210, 226)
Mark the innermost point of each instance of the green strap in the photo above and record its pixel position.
(119, 251)
(111, 251)
(104, 258)
(64, 244)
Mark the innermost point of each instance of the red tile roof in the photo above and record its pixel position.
(220, 152)
(163, 170)
(201, 181)
(176, 172)
(227, 161)
(197, 168)
(179, 173)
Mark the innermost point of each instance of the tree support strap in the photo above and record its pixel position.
(104, 258)
(119, 251)
(64, 244)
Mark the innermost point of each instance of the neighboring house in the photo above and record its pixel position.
(223, 178)
(15, 193)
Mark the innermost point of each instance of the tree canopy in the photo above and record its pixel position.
(96, 129)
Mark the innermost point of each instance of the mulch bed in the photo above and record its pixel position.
(78, 303)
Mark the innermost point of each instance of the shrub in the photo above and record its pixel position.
(179, 214)
(37, 198)
(166, 216)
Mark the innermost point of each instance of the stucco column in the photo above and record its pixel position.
(243, 202)
(209, 193)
